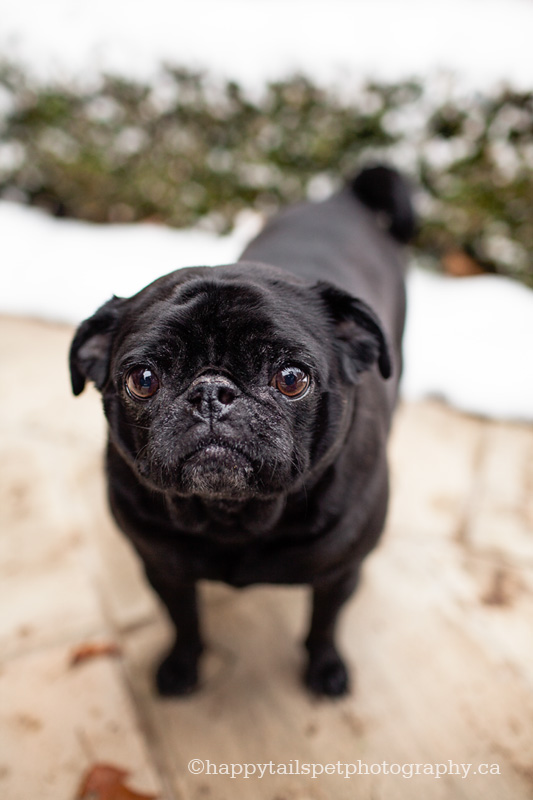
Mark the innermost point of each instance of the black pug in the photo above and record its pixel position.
(249, 407)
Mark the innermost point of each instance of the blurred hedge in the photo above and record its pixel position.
(187, 149)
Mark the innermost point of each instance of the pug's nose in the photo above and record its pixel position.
(211, 397)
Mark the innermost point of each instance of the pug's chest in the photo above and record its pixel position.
(237, 564)
(226, 544)
(284, 539)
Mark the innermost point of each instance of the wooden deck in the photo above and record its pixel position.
(440, 634)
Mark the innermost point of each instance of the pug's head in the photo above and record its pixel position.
(228, 383)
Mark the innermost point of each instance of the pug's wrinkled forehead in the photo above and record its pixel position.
(233, 326)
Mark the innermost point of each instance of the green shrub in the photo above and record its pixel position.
(188, 149)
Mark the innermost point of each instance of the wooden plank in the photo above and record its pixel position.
(501, 518)
(434, 454)
(427, 692)
(46, 591)
(56, 721)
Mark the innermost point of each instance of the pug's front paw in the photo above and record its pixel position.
(178, 673)
(327, 674)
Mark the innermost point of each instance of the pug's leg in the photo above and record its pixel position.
(178, 672)
(326, 672)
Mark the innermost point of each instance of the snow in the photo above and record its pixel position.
(467, 340)
(64, 269)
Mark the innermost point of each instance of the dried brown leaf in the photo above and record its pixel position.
(460, 264)
(89, 650)
(106, 782)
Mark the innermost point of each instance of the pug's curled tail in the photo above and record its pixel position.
(383, 189)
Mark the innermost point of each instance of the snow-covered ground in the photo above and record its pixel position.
(467, 340)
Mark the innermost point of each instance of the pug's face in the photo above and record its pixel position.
(227, 383)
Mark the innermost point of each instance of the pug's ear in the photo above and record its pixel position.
(358, 331)
(91, 347)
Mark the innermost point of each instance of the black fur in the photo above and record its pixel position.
(382, 189)
(219, 475)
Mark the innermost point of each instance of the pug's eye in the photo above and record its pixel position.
(291, 381)
(141, 383)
